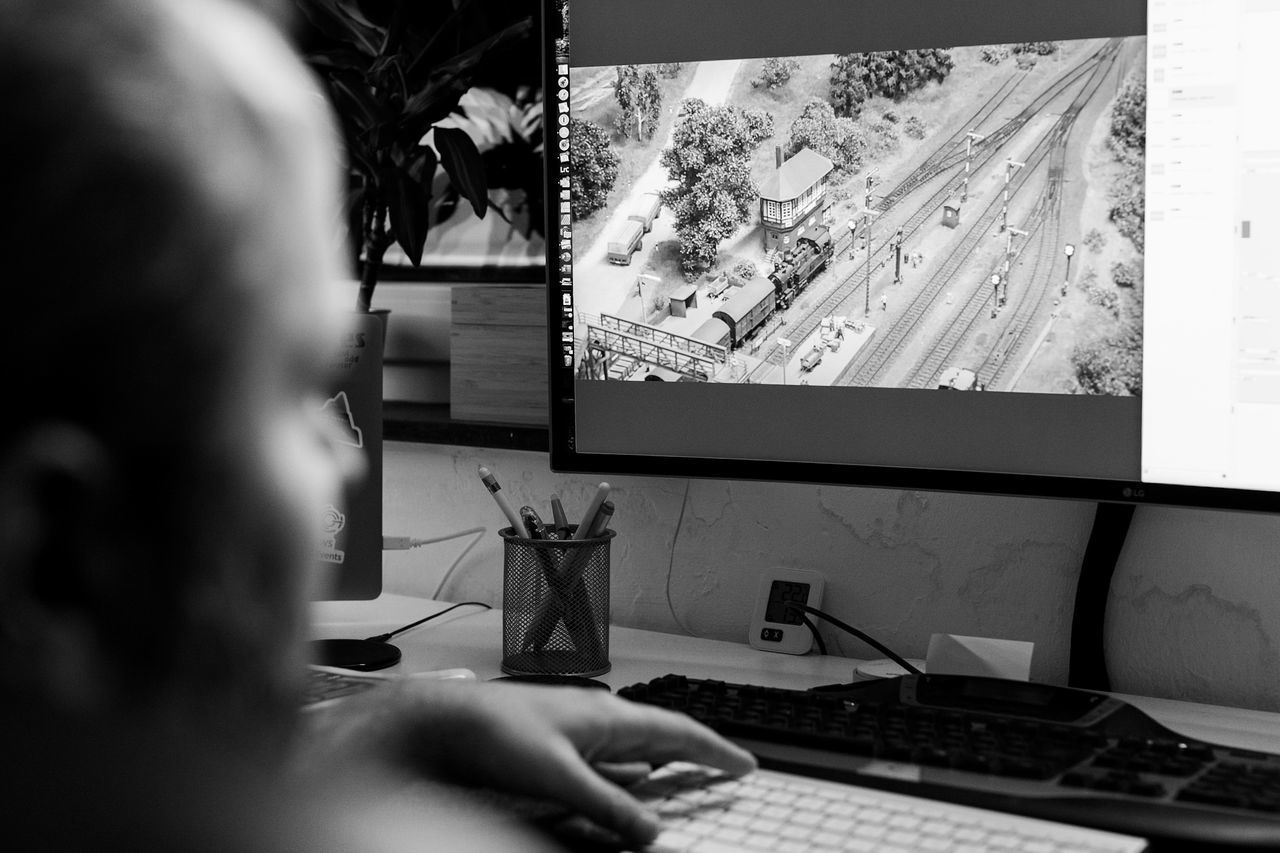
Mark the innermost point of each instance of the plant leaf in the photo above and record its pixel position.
(461, 160)
(339, 20)
(450, 78)
(409, 208)
(355, 101)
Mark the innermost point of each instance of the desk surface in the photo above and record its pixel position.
(472, 638)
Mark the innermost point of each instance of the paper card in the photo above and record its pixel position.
(950, 654)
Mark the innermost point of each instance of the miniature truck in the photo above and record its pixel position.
(625, 242)
(646, 209)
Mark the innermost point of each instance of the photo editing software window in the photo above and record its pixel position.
(1025, 237)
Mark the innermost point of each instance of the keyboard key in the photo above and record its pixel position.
(794, 832)
(869, 830)
(898, 836)
(764, 826)
(672, 840)
(711, 845)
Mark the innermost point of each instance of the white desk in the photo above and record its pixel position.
(471, 637)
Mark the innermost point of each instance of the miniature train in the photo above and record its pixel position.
(753, 303)
(793, 271)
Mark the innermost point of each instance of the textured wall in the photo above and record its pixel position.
(1195, 603)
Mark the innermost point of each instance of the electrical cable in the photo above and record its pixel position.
(382, 638)
(813, 629)
(477, 532)
(404, 543)
(671, 563)
(866, 638)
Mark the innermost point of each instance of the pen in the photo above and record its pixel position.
(491, 483)
(588, 518)
(561, 520)
(601, 522)
(532, 523)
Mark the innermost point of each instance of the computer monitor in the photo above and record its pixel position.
(994, 246)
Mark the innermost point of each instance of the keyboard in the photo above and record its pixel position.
(1052, 753)
(703, 811)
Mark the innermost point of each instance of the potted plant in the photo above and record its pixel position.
(394, 70)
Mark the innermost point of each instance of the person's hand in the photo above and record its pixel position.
(548, 741)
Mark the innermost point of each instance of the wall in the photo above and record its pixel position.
(1195, 602)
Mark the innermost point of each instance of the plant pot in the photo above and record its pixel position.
(351, 546)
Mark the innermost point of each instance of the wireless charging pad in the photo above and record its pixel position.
(361, 655)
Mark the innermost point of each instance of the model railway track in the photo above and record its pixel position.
(871, 366)
(995, 368)
(839, 299)
(876, 362)
(944, 350)
(945, 155)
(999, 367)
(1093, 69)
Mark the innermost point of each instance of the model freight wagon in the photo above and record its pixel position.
(748, 308)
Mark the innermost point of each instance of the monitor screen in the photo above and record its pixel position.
(994, 245)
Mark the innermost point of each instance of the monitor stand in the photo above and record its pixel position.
(1088, 662)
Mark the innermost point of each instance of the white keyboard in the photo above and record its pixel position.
(706, 812)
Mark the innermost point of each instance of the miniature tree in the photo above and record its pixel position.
(709, 159)
(848, 92)
(1128, 139)
(775, 73)
(593, 165)
(838, 139)
(890, 74)
(640, 100)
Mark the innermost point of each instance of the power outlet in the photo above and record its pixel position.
(775, 627)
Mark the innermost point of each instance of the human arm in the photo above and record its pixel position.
(541, 741)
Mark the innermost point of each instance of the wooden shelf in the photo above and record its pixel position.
(431, 424)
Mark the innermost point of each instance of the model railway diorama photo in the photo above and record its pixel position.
(962, 218)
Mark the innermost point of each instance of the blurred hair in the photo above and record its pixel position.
(140, 251)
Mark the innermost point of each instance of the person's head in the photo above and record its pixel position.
(171, 264)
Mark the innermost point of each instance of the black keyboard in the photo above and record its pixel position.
(1050, 752)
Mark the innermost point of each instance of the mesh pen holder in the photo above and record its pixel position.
(555, 608)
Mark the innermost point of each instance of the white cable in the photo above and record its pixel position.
(477, 532)
(671, 564)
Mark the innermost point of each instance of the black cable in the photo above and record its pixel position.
(870, 641)
(382, 638)
(813, 629)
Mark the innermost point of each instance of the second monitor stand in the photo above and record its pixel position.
(1088, 662)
